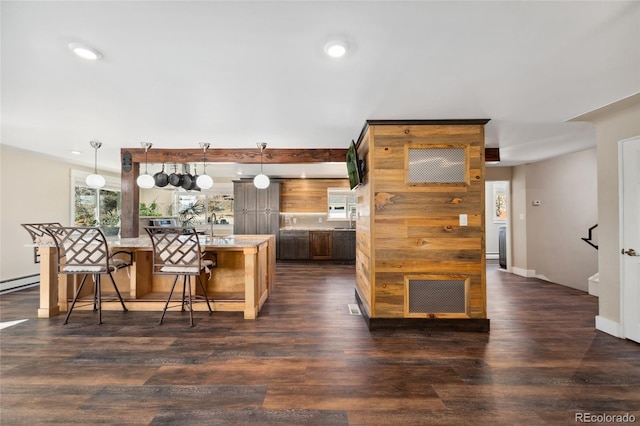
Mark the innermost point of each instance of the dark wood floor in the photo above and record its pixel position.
(307, 361)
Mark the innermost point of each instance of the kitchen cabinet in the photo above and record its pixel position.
(344, 245)
(294, 245)
(320, 245)
(256, 211)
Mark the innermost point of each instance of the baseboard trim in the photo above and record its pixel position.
(20, 283)
(527, 273)
(478, 325)
(594, 283)
(610, 327)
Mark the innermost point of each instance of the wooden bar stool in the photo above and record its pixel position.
(84, 251)
(176, 251)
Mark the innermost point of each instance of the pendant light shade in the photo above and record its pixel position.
(204, 181)
(95, 180)
(145, 180)
(261, 181)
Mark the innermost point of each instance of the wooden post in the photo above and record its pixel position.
(130, 217)
(250, 282)
(48, 283)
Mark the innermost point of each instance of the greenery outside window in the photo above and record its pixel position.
(95, 207)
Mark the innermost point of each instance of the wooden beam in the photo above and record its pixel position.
(492, 154)
(252, 156)
(241, 156)
(132, 157)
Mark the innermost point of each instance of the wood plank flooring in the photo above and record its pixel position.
(307, 361)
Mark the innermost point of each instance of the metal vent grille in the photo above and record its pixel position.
(446, 165)
(437, 296)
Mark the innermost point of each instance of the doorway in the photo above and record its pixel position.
(630, 237)
(497, 217)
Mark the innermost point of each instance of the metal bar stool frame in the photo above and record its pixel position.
(38, 233)
(84, 251)
(176, 251)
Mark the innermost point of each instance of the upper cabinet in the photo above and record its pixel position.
(256, 211)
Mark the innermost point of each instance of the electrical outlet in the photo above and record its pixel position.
(463, 220)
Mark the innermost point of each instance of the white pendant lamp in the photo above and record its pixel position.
(146, 181)
(204, 181)
(95, 180)
(261, 181)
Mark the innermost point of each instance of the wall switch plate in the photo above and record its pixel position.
(463, 220)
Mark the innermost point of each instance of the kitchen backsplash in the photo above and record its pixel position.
(310, 221)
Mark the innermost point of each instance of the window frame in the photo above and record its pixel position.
(78, 178)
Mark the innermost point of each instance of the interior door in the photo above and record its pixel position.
(630, 237)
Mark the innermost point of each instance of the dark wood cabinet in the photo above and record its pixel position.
(320, 245)
(317, 245)
(344, 245)
(244, 208)
(294, 245)
(256, 211)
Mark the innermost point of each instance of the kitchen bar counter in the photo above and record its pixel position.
(241, 281)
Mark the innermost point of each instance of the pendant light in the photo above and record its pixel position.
(204, 181)
(261, 181)
(146, 180)
(95, 180)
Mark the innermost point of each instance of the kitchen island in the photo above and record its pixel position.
(241, 281)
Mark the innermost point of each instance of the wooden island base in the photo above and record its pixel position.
(241, 281)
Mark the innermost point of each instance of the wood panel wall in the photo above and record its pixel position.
(307, 195)
(407, 230)
(364, 244)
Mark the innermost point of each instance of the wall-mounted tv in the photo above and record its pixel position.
(354, 166)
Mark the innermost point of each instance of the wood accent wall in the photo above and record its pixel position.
(307, 195)
(406, 230)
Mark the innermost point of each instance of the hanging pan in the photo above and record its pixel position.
(175, 179)
(161, 178)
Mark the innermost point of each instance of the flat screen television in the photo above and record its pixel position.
(354, 166)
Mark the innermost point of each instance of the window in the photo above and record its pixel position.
(94, 207)
(341, 203)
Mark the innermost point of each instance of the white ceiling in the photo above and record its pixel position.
(236, 73)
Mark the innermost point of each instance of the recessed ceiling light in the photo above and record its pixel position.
(335, 49)
(76, 152)
(85, 52)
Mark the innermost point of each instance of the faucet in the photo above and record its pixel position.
(213, 219)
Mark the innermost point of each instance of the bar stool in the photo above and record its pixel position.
(84, 251)
(38, 233)
(176, 251)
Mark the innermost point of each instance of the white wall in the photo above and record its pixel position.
(612, 123)
(33, 188)
(519, 259)
(547, 239)
(566, 187)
